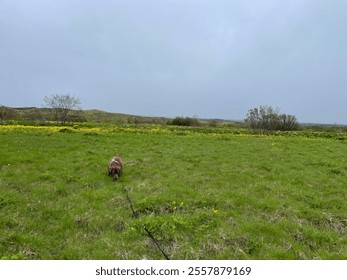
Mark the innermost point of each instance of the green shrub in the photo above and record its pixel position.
(184, 121)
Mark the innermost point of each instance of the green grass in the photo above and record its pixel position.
(202, 196)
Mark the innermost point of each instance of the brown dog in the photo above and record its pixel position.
(115, 167)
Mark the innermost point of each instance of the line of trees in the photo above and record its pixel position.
(267, 118)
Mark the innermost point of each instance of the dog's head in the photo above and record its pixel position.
(115, 176)
(116, 172)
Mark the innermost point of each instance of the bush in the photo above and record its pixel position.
(266, 118)
(184, 121)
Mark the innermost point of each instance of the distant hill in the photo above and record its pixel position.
(47, 114)
(102, 116)
(94, 115)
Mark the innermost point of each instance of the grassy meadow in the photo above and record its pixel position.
(204, 193)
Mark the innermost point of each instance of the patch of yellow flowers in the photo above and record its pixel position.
(50, 129)
(151, 129)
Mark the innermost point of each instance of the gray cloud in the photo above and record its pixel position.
(205, 58)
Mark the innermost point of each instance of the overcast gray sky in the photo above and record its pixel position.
(210, 58)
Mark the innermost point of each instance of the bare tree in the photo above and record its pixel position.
(267, 118)
(62, 105)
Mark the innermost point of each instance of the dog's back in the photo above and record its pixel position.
(115, 167)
